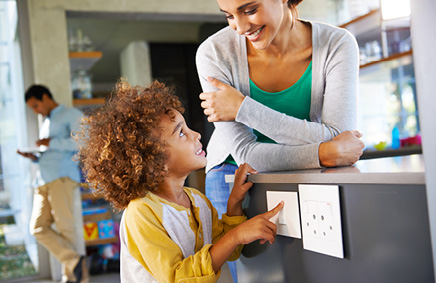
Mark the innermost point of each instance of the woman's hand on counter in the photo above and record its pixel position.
(343, 150)
(223, 104)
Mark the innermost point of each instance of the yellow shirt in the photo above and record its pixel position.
(165, 242)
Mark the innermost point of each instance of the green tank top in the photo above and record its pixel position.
(293, 101)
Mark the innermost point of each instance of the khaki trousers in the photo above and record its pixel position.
(53, 203)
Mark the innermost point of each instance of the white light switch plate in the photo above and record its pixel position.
(288, 219)
(321, 219)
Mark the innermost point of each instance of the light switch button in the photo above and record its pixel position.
(288, 219)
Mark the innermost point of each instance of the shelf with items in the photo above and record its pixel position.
(98, 226)
(97, 242)
(394, 57)
(363, 21)
(370, 25)
(379, 39)
(83, 60)
(80, 64)
(387, 92)
(88, 101)
(387, 100)
(98, 221)
(90, 196)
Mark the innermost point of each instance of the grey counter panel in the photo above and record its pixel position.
(385, 232)
(392, 170)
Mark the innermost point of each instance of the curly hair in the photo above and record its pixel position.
(121, 155)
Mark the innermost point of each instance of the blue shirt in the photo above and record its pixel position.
(57, 160)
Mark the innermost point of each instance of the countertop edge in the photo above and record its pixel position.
(411, 178)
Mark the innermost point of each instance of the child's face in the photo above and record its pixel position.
(185, 151)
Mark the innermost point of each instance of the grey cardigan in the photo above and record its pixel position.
(333, 106)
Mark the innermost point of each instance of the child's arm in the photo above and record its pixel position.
(240, 189)
(257, 228)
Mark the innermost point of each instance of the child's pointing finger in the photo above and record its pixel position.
(275, 210)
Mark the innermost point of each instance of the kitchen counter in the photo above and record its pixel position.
(388, 170)
(385, 226)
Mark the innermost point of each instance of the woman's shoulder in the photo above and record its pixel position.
(331, 32)
(224, 35)
(327, 37)
(220, 42)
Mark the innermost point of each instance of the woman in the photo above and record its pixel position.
(282, 89)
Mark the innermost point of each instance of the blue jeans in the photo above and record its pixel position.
(218, 192)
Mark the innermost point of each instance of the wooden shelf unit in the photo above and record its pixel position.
(95, 218)
(371, 13)
(101, 241)
(390, 58)
(83, 60)
(92, 196)
(88, 101)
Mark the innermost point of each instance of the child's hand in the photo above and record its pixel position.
(240, 189)
(258, 228)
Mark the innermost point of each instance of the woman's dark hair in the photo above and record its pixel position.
(292, 4)
(37, 91)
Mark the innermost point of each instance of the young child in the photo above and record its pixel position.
(138, 151)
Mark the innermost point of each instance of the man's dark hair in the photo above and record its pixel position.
(37, 91)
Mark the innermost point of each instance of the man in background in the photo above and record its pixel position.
(60, 176)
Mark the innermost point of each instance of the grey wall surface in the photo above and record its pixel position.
(385, 232)
(423, 25)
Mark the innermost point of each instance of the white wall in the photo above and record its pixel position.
(424, 39)
(135, 63)
(48, 32)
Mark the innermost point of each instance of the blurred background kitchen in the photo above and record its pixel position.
(81, 48)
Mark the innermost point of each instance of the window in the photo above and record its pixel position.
(18, 250)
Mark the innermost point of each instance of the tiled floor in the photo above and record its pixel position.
(115, 277)
(103, 278)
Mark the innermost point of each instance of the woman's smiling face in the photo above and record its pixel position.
(258, 20)
(184, 149)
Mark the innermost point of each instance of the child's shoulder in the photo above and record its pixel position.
(154, 203)
(146, 203)
(194, 192)
(197, 196)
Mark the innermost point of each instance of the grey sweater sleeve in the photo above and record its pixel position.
(338, 72)
(236, 138)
